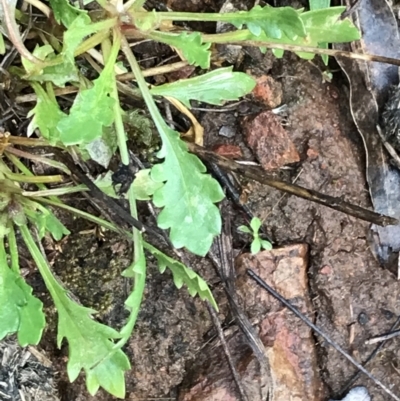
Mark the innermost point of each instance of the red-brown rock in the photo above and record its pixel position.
(268, 91)
(291, 348)
(289, 343)
(229, 151)
(269, 141)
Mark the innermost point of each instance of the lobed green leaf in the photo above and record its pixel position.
(144, 186)
(46, 221)
(64, 12)
(187, 197)
(93, 109)
(20, 311)
(275, 22)
(90, 347)
(190, 44)
(182, 275)
(46, 116)
(323, 26)
(214, 87)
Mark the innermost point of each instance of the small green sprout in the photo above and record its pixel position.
(257, 243)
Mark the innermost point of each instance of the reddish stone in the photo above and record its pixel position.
(326, 270)
(289, 343)
(268, 91)
(269, 141)
(291, 348)
(229, 151)
(312, 154)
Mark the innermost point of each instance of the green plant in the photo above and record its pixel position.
(179, 184)
(257, 242)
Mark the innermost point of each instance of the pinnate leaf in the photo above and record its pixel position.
(46, 221)
(325, 26)
(90, 346)
(214, 87)
(64, 12)
(144, 186)
(91, 111)
(322, 26)
(182, 275)
(187, 197)
(190, 44)
(20, 311)
(46, 115)
(93, 108)
(275, 22)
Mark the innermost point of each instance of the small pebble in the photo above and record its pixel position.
(363, 318)
(356, 394)
(228, 131)
(387, 314)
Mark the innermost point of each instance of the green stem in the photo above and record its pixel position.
(118, 121)
(226, 37)
(55, 191)
(40, 159)
(137, 270)
(41, 262)
(13, 248)
(35, 179)
(187, 16)
(148, 98)
(21, 167)
(93, 41)
(80, 213)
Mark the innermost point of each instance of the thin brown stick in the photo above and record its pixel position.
(384, 337)
(316, 50)
(259, 175)
(14, 35)
(227, 353)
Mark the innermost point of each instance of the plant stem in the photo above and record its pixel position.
(148, 98)
(226, 37)
(18, 140)
(95, 39)
(187, 16)
(41, 263)
(13, 248)
(137, 270)
(55, 191)
(8, 17)
(133, 5)
(119, 124)
(40, 159)
(40, 6)
(35, 179)
(80, 213)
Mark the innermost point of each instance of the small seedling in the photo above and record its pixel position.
(257, 243)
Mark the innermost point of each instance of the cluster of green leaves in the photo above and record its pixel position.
(179, 184)
(257, 242)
